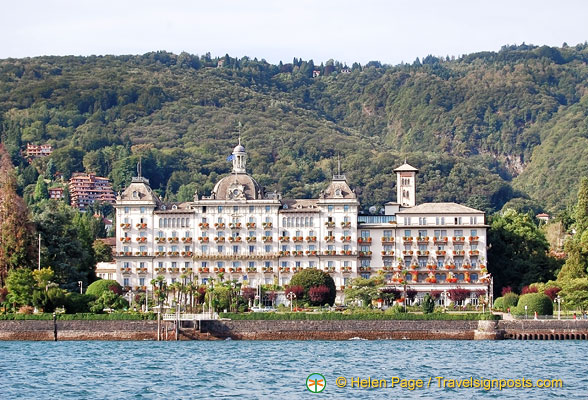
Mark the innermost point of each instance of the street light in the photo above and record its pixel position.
(445, 299)
(291, 296)
(558, 301)
(526, 316)
(80, 284)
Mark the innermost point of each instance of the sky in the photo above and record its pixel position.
(391, 32)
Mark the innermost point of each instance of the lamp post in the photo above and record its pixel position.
(526, 316)
(445, 299)
(558, 301)
(291, 296)
(81, 284)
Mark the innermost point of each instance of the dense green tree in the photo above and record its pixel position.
(311, 277)
(517, 255)
(102, 251)
(41, 190)
(428, 304)
(20, 284)
(575, 294)
(576, 247)
(103, 285)
(64, 247)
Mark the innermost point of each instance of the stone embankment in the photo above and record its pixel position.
(296, 330)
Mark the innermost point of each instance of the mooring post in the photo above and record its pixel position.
(54, 327)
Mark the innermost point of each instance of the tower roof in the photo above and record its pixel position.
(406, 168)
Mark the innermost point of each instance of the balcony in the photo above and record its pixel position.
(329, 239)
(366, 268)
(141, 239)
(388, 253)
(125, 239)
(458, 239)
(297, 238)
(346, 239)
(142, 271)
(141, 226)
(236, 225)
(440, 240)
(423, 239)
(234, 239)
(311, 252)
(473, 239)
(250, 225)
(311, 238)
(267, 225)
(346, 224)
(329, 252)
(219, 225)
(187, 239)
(204, 225)
(407, 239)
(387, 239)
(458, 252)
(364, 240)
(422, 253)
(330, 224)
(219, 239)
(125, 226)
(251, 239)
(365, 253)
(204, 239)
(266, 239)
(174, 239)
(284, 239)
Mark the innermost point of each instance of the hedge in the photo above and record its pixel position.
(535, 302)
(81, 316)
(510, 300)
(334, 316)
(499, 304)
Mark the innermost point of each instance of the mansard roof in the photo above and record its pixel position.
(139, 190)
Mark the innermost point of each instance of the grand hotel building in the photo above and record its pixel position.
(244, 233)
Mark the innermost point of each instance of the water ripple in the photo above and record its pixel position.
(278, 369)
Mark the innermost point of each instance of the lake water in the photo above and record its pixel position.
(279, 369)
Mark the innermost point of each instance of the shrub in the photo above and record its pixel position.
(552, 292)
(311, 277)
(535, 302)
(529, 289)
(510, 300)
(393, 313)
(77, 303)
(505, 290)
(428, 304)
(102, 285)
(458, 294)
(319, 294)
(499, 304)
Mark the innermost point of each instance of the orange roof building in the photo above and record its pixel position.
(86, 189)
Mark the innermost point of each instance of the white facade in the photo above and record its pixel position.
(259, 238)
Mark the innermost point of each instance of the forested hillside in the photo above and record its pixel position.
(484, 129)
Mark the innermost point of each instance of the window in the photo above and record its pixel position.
(406, 220)
(297, 264)
(251, 264)
(267, 209)
(346, 219)
(422, 221)
(219, 209)
(311, 264)
(422, 233)
(127, 210)
(388, 233)
(268, 248)
(268, 233)
(473, 220)
(126, 282)
(346, 207)
(440, 220)
(268, 264)
(251, 249)
(143, 248)
(474, 232)
(457, 220)
(141, 281)
(330, 208)
(235, 249)
(251, 209)
(235, 209)
(186, 264)
(174, 264)
(219, 249)
(204, 248)
(142, 210)
(284, 264)
(458, 232)
(204, 264)
(298, 233)
(187, 248)
(366, 234)
(160, 264)
(440, 233)
(330, 264)
(407, 233)
(160, 233)
(422, 247)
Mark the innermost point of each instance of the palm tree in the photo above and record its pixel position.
(161, 290)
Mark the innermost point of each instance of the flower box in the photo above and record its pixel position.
(387, 239)
(267, 224)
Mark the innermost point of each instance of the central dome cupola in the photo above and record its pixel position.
(239, 159)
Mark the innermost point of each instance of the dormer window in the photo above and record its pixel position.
(338, 193)
(135, 195)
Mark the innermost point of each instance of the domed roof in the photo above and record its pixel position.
(239, 149)
(237, 187)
